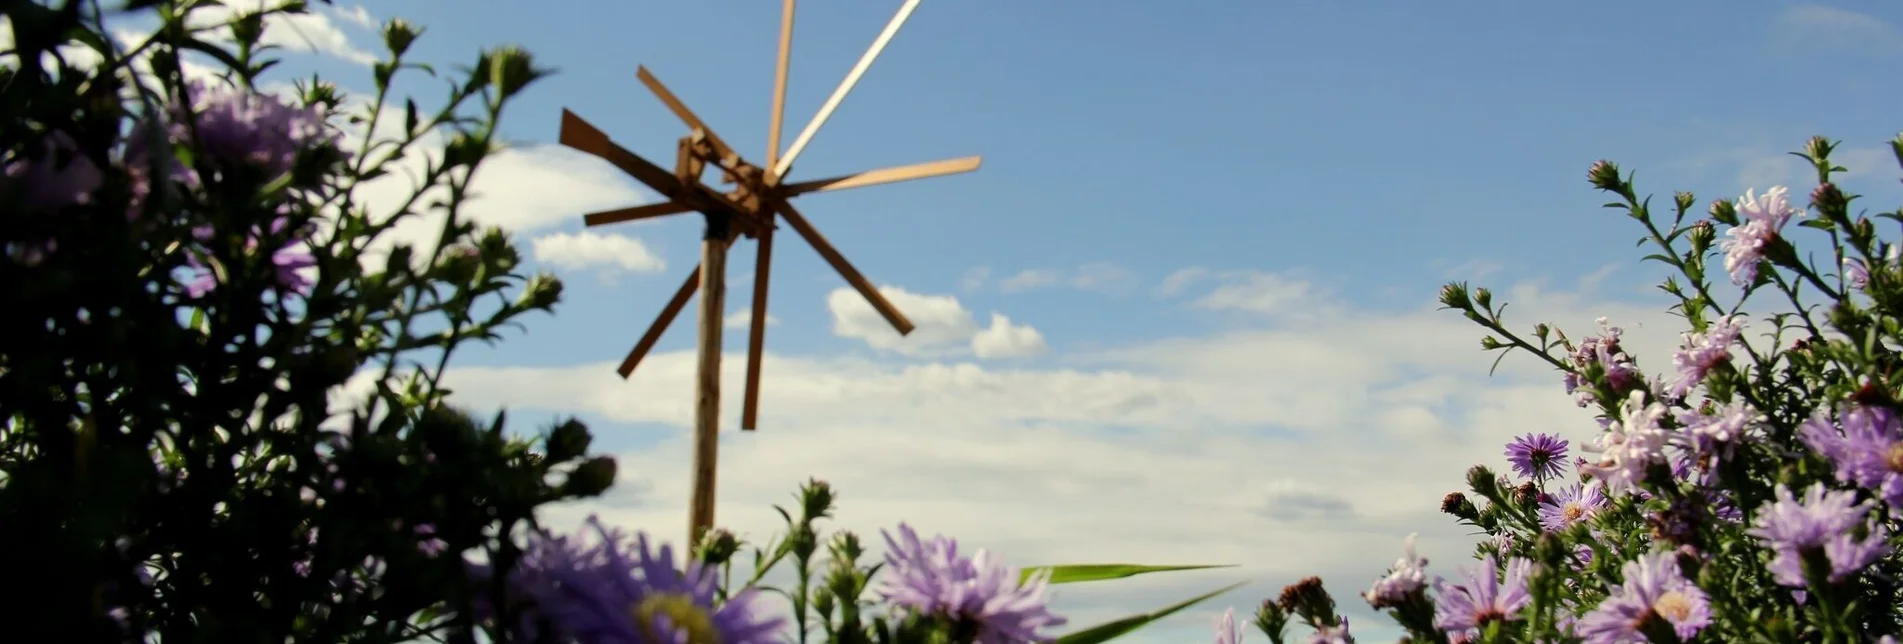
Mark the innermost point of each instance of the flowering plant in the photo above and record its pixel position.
(1750, 493)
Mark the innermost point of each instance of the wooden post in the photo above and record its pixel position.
(713, 287)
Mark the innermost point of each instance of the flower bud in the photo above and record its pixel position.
(1828, 200)
(1490, 343)
(1724, 212)
(1271, 620)
(816, 499)
(1818, 148)
(568, 441)
(1684, 200)
(845, 546)
(1526, 494)
(542, 293)
(1457, 504)
(1604, 175)
(1307, 598)
(1483, 297)
(716, 547)
(1483, 482)
(1454, 296)
(1701, 235)
(591, 478)
(398, 34)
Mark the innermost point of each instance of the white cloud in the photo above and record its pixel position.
(743, 317)
(1180, 280)
(1102, 277)
(974, 279)
(1817, 26)
(940, 324)
(1299, 447)
(589, 249)
(1262, 292)
(311, 32)
(1006, 340)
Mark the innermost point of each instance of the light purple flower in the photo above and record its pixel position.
(1604, 351)
(1856, 273)
(1702, 352)
(57, 177)
(1868, 452)
(1227, 632)
(1570, 506)
(930, 578)
(1630, 445)
(1653, 589)
(431, 545)
(238, 127)
(1337, 634)
(1483, 598)
(1713, 435)
(619, 592)
(1823, 523)
(1406, 578)
(1746, 244)
(1537, 456)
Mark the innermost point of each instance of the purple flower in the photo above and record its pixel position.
(1654, 591)
(1570, 506)
(287, 263)
(57, 177)
(1745, 245)
(930, 579)
(1630, 445)
(1601, 351)
(1702, 352)
(1407, 578)
(1823, 523)
(1537, 456)
(1713, 435)
(624, 593)
(1856, 274)
(1483, 598)
(1337, 634)
(1868, 452)
(238, 127)
(431, 545)
(1227, 632)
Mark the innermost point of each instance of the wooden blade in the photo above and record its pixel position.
(887, 175)
(831, 255)
(649, 211)
(666, 318)
(845, 86)
(779, 98)
(756, 333)
(580, 135)
(679, 109)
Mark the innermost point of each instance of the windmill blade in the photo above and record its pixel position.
(661, 322)
(679, 109)
(845, 86)
(756, 333)
(779, 94)
(887, 175)
(831, 255)
(648, 211)
(580, 135)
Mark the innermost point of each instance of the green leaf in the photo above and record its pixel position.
(1073, 573)
(1117, 628)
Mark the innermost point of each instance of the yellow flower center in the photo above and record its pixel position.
(1894, 458)
(682, 614)
(1674, 606)
(1572, 512)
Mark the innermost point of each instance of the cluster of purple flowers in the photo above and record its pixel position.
(929, 579)
(1601, 353)
(1746, 244)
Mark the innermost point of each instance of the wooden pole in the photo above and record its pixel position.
(713, 287)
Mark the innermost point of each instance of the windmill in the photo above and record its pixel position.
(759, 197)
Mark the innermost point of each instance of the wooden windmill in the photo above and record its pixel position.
(748, 209)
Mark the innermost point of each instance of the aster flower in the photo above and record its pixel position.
(1570, 506)
(1825, 523)
(1746, 244)
(1702, 352)
(1603, 353)
(1856, 273)
(930, 579)
(1537, 456)
(1337, 634)
(1482, 598)
(1868, 452)
(58, 176)
(1654, 595)
(1630, 445)
(617, 592)
(1227, 632)
(238, 127)
(1713, 435)
(1407, 578)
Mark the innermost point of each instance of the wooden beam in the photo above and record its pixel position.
(713, 288)
(845, 87)
(779, 87)
(756, 333)
(580, 135)
(664, 320)
(853, 277)
(687, 116)
(887, 175)
(648, 211)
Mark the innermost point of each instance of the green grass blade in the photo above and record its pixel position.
(1074, 573)
(1114, 629)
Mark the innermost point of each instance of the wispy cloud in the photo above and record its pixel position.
(1817, 27)
(591, 250)
(942, 327)
(1101, 277)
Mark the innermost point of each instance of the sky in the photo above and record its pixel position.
(1185, 312)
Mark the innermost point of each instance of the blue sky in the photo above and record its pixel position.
(1226, 223)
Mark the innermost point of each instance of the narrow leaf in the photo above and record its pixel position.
(1113, 629)
(1073, 573)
